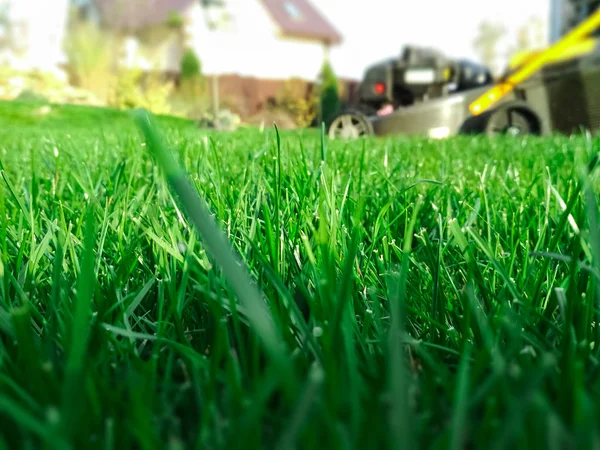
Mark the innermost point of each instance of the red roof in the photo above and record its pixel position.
(297, 18)
(301, 19)
(137, 14)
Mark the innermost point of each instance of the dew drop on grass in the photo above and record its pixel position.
(317, 374)
(53, 415)
(528, 350)
(514, 371)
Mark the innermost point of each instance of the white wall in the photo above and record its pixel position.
(40, 26)
(251, 47)
(162, 56)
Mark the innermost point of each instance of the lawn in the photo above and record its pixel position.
(392, 293)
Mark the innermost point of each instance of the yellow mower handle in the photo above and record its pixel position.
(536, 61)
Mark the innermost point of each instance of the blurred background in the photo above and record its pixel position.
(248, 61)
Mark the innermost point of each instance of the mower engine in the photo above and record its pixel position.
(420, 74)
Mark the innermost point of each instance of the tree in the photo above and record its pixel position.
(192, 80)
(191, 68)
(329, 97)
(530, 35)
(92, 57)
(206, 5)
(4, 26)
(487, 40)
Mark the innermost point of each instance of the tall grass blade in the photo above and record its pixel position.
(216, 242)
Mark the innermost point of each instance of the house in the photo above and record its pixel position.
(566, 14)
(264, 39)
(32, 34)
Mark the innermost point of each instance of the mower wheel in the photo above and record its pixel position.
(349, 124)
(513, 121)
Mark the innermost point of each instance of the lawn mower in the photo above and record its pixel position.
(424, 93)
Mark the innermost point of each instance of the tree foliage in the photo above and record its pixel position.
(530, 35)
(329, 94)
(191, 67)
(487, 40)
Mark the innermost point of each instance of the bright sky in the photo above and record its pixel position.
(378, 29)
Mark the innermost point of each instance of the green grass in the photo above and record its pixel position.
(386, 293)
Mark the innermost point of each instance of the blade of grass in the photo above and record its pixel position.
(221, 250)
(73, 395)
(400, 416)
(459, 415)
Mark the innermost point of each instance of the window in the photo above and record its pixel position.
(292, 11)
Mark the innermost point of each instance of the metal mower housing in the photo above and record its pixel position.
(562, 97)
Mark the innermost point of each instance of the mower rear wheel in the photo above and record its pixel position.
(510, 121)
(349, 125)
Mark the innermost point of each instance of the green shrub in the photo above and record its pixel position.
(126, 93)
(39, 86)
(329, 98)
(29, 95)
(136, 90)
(175, 21)
(92, 57)
(157, 93)
(293, 99)
(191, 67)
(191, 92)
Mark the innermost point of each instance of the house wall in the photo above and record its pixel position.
(565, 15)
(252, 46)
(248, 96)
(37, 30)
(163, 53)
(557, 11)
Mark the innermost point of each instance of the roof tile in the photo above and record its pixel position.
(296, 18)
(138, 14)
(300, 18)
